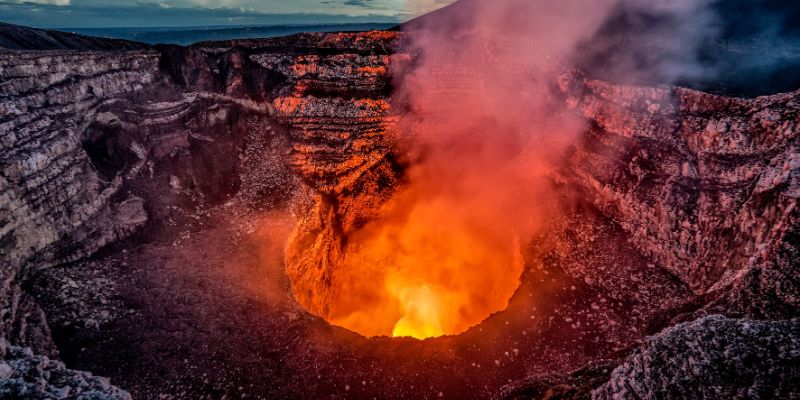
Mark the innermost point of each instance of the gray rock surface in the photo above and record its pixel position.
(707, 186)
(25, 375)
(712, 358)
(56, 205)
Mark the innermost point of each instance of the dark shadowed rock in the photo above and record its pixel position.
(26, 376)
(15, 37)
(712, 358)
(575, 386)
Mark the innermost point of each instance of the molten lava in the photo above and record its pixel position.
(427, 241)
(427, 269)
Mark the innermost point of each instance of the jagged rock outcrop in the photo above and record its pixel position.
(733, 358)
(730, 358)
(341, 128)
(24, 375)
(707, 186)
(56, 206)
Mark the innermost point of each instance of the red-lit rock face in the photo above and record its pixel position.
(706, 185)
(653, 159)
(392, 244)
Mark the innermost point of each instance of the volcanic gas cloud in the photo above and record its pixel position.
(480, 133)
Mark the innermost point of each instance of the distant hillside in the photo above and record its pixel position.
(191, 35)
(754, 51)
(15, 37)
(450, 17)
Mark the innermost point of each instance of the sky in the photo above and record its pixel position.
(174, 13)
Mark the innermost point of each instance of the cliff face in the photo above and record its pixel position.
(92, 143)
(91, 139)
(78, 129)
(340, 125)
(56, 205)
(707, 186)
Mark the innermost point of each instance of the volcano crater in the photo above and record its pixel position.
(188, 233)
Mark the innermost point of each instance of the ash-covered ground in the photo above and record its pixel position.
(202, 308)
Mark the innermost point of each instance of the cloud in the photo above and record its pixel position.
(170, 13)
(48, 2)
(359, 3)
(105, 13)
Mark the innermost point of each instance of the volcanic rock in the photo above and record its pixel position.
(733, 358)
(24, 375)
(706, 185)
(102, 151)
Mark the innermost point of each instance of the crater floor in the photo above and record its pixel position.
(201, 307)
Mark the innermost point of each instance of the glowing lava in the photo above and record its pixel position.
(427, 271)
(421, 308)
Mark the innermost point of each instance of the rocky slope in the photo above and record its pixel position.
(57, 207)
(707, 186)
(733, 358)
(15, 37)
(24, 375)
(100, 145)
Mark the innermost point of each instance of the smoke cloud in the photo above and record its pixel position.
(482, 130)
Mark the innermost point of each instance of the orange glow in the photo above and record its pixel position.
(426, 269)
(437, 248)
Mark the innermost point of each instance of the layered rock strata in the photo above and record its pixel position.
(707, 186)
(56, 206)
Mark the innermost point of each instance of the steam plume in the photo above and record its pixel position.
(482, 130)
